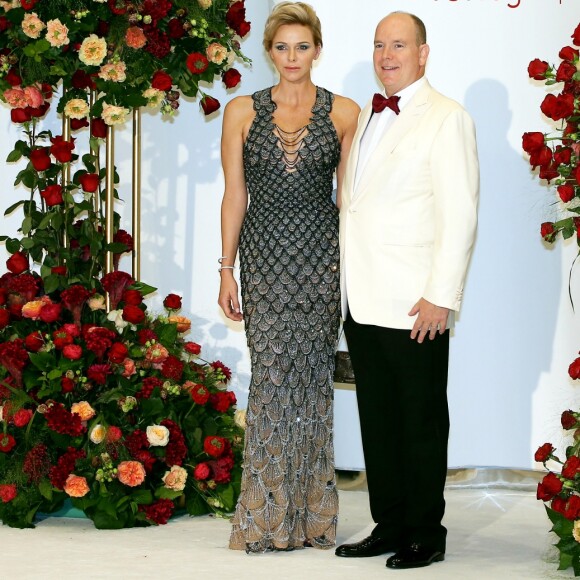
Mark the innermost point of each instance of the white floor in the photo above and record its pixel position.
(493, 534)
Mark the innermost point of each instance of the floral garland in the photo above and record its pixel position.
(558, 159)
(110, 408)
(132, 53)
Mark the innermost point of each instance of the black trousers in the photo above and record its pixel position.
(401, 390)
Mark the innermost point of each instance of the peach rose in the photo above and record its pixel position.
(216, 52)
(205, 4)
(56, 33)
(157, 435)
(15, 98)
(76, 486)
(113, 115)
(183, 323)
(98, 433)
(93, 50)
(32, 26)
(32, 309)
(129, 366)
(135, 37)
(83, 410)
(77, 109)
(131, 473)
(175, 478)
(156, 353)
(97, 302)
(113, 71)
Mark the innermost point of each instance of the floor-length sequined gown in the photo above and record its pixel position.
(289, 261)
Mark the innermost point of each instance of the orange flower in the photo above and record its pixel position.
(76, 486)
(131, 473)
(156, 353)
(183, 323)
(135, 37)
(83, 410)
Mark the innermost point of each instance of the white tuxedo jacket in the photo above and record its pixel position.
(407, 230)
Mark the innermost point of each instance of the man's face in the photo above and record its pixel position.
(398, 61)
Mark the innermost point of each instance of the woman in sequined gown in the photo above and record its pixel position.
(280, 149)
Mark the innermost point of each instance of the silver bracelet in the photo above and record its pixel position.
(225, 268)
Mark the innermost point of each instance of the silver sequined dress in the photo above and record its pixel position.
(290, 295)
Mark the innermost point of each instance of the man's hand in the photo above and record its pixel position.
(430, 320)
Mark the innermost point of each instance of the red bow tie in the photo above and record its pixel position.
(380, 102)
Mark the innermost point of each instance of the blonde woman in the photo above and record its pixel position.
(281, 148)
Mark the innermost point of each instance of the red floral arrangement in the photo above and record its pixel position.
(558, 159)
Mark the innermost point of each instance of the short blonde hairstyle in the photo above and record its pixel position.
(292, 13)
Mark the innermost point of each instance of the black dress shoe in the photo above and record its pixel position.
(371, 546)
(415, 556)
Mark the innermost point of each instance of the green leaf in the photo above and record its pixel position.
(116, 248)
(43, 361)
(26, 225)
(167, 334)
(27, 243)
(165, 493)
(54, 374)
(143, 288)
(13, 156)
(561, 525)
(565, 561)
(51, 283)
(45, 489)
(142, 496)
(227, 497)
(196, 505)
(13, 245)
(106, 521)
(29, 178)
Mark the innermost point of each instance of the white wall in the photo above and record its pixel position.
(517, 333)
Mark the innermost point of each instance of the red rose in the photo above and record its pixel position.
(236, 18)
(200, 395)
(231, 78)
(52, 195)
(549, 487)
(214, 445)
(201, 471)
(209, 104)
(576, 36)
(566, 193)
(50, 312)
(39, 111)
(118, 6)
(28, 4)
(113, 434)
(98, 373)
(118, 352)
(543, 453)
(548, 172)
(22, 116)
(222, 401)
(572, 510)
(89, 182)
(72, 351)
(568, 53)
(172, 302)
(175, 28)
(82, 80)
(565, 71)
(192, 348)
(98, 128)
(161, 81)
(571, 467)
(133, 314)
(5, 25)
(61, 149)
(558, 107)
(574, 369)
(4, 318)
(537, 69)
(22, 417)
(197, 63)
(541, 157)
(559, 504)
(61, 338)
(568, 420)
(67, 385)
(532, 141)
(133, 297)
(563, 155)
(13, 78)
(76, 124)
(8, 492)
(244, 28)
(34, 341)
(17, 263)
(547, 231)
(40, 159)
(7, 443)
(58, 270)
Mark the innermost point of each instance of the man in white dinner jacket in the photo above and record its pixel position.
(407, 227)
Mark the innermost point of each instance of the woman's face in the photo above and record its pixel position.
(293, 51)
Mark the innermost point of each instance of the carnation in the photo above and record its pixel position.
(115, 72)
(56, 33)
(76, 109)
(93, 50)
(113, 115)
(32, 26)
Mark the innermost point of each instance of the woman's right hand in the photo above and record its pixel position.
(228, 298)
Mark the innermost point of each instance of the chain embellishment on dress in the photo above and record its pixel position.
(291, 142)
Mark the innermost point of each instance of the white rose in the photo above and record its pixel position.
(116, 316)
(98, 433)
(157, 435)
(240, 418)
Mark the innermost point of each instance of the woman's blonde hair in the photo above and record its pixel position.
(292, 13)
